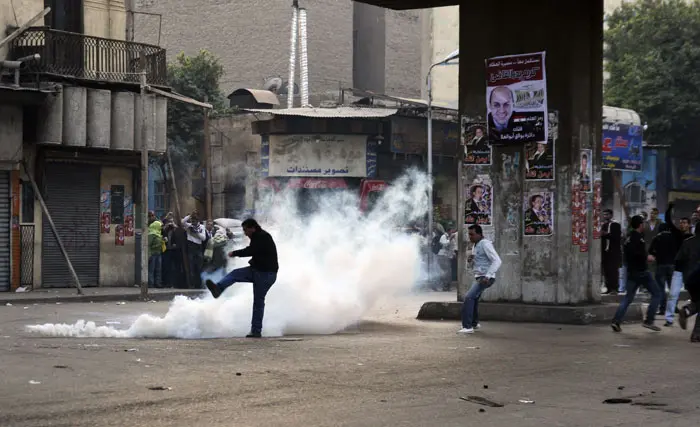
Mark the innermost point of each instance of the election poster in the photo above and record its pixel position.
(516, 98)
(539, 157)
(478, 208)
(585, 171)
(622, 147)
(539, 213)
(477, 150)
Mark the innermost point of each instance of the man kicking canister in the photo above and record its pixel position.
(486, 263)
(262, 272)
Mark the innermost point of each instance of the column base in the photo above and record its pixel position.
(532, 313)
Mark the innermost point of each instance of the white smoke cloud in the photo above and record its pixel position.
(334, 266)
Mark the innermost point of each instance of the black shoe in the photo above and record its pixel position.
(651, 327)
(254, 335)
(668, 324)
(694, 338)
(215, 292)
(683, 315)
(616, 327)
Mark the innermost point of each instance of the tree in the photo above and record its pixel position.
(196, 77)
(653, 59)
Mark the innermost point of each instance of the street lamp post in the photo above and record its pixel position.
(429, 81)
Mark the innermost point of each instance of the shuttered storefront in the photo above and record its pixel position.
(72, 194)
(4, 231)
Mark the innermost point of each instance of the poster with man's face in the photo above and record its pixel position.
(540, 157)
(585, 171)
(478, 208)
(516, 99)
(477, 150)
(538, 213)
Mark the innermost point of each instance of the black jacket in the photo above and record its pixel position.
(263, 251)
(688, 258)
(612, 242)
(678, 237)
(663, 247)
(635, 252)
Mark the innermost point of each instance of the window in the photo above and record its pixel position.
(160, 205)
(27, 202)
(635, 194)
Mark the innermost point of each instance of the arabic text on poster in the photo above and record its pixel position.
(540, 157)
(319, 156)
(516, 98)
(477, 150)
(622, 147)
(538, 213)
(585, 171)
(478, 208)
(597, 207)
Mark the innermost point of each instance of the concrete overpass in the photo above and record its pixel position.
(536, 270)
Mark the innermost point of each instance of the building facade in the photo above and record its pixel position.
(72, 128)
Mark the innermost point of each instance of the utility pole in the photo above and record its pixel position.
(144, 182)
(207, 161)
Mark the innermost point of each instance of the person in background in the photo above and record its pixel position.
(651, 227)
(454, 251)
(444, 256)
(151, 217)
(171, 258)
(155, 250)
(486, 263)
(636, 259)
(262, 272)
(689, 257)
(680, 234)
(694, 219)
(195, 253)
(611, 237)
(664, 249)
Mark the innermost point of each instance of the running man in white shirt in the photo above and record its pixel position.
(486, 263)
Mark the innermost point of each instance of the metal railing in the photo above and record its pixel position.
(27, 257)
(86, 57)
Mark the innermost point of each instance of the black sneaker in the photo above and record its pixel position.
(683, 317)
(215, 292)
(254, 335)
(668, 324)
(651, 327)
(616, 327)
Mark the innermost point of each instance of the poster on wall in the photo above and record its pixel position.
(597, 207)
(622, 147)
(128, 216)
(477, 150)
(478, 208)
(538, 215)
(105, 213)
(583, 222)
(119, 235)
(516, 98)
(575, 209)
(585, 171)
(540, 157)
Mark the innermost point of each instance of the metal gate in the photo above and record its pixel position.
(72, 194)
(5, 231)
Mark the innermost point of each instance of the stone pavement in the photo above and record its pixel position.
(389, 370)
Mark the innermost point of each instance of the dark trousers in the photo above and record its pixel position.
(635, 280)
(262, 282)
(196, 260)
(173, 273)
(663, 275)
(611, 273)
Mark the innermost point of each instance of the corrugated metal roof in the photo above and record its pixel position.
(331, 113)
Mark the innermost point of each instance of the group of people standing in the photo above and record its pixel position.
(671, 251)
(178, 253)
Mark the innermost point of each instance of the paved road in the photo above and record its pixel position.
(389, 370)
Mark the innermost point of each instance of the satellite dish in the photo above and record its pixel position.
(284, 90)
(273, 84)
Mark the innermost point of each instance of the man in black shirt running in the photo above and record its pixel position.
(262, 272)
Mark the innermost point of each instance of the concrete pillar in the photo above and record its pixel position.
(150, 122)
(539, 270)
(50, 127)
(122, 129)
(74, 116)
(99, 118)
(161, 124)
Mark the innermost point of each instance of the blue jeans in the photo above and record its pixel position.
(262, 282)
(634, 281)
(154, 271)
(663, 277)
(676, 286)
(623, 279)
(470, 308)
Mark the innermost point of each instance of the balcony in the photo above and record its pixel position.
(73, 55)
